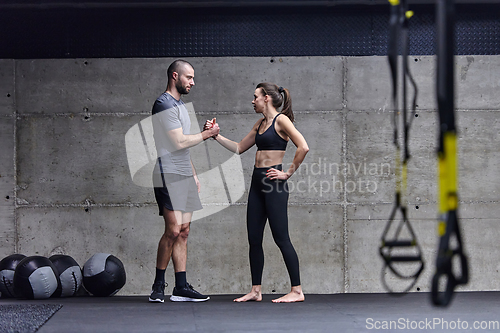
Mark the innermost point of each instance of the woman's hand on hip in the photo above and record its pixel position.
(273, 173)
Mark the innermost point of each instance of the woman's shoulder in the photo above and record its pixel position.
(257, 124)
(283, 121)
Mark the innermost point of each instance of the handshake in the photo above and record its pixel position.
(212, 126)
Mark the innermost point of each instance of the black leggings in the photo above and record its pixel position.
(268, 199)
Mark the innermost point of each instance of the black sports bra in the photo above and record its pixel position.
(270, 140)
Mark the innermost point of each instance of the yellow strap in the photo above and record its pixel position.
(450, 148)
(442, 184)
(404, 178)
(441, 228)
(397, 170)
(447, 173)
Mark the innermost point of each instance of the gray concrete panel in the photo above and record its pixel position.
(219, 244)
(370, 156)
(365, 227)
(371, 148)
(76, 195)
(7, 231)
(477, 82)
(477, 133)
(422, 166)
(7, 184)
(316, 231)
(228, 84)
(313, 182)
(7, 177)
(478, 156)
(7, 87)
(478, 223)
(367, 84)
(71, 160)
(132, 85)
(218, 250)
(89, 85)
(130, 234)
(319, 179)
(68, 160)
(479, 231)
(480, 235)
(369, 87)
(423, 70)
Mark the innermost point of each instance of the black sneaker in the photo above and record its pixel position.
(187, 294)
(158, 292)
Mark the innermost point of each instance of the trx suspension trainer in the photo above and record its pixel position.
(406, 246)
(448, 226)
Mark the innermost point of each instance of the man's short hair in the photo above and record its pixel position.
(176, 66)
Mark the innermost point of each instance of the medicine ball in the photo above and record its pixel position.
(35, 278)
(70, 275)
(103, 275)
(7, 268)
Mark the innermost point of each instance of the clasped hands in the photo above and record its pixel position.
(211, 125)
(271, 173)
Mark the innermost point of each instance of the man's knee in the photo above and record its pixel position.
(184, 232)
(172, 234)
(177, 232)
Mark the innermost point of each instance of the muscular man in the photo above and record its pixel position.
(175, 181)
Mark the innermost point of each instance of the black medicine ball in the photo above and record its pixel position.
(103, 275)
(7, 268)
(69, 273)
(35, 278)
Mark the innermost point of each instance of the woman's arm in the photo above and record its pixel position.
(246, 143)
(286, 126)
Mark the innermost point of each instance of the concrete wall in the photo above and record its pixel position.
(65, 184)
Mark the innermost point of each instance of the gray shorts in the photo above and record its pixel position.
(178, 193)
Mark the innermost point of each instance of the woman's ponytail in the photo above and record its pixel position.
(287, 104)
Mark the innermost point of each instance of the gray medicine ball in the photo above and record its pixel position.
(7, 268)
(70, 275)
(35, 278)
(103, 275)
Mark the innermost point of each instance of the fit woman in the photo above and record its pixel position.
(268, 196)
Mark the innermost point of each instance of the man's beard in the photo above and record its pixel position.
(182, 90)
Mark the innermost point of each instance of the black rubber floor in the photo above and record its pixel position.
(470, 312)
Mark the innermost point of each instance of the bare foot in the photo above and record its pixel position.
(251, 296)
(296, 295)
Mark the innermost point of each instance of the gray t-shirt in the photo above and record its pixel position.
(169, 114)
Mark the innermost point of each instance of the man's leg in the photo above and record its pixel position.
(165, 250)
(179, 251)
(183, 292)
(169, 237)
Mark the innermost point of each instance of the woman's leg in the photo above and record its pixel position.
(256, 221)
(277, 204)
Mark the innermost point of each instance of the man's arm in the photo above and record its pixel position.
(183, 141)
